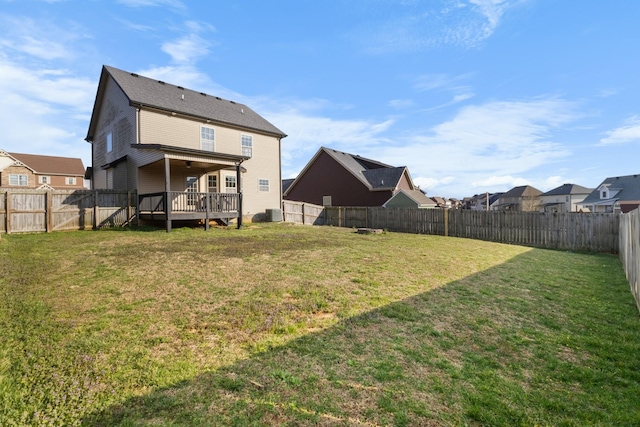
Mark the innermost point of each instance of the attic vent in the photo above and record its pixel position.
(203, 94)
(180, 87)
(135, 75)
(161, 82)
(233, 102)
(217, 97)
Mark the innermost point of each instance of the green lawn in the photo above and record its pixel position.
(278, 324)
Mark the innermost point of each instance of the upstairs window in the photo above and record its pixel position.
(44, 179)
(18, 180)
(604, 194)
(247, 145)
(207, 136)
(263, 185)
(70, 180)
(109, 142)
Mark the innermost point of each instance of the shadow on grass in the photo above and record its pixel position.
(557, 345)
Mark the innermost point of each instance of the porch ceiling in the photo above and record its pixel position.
(195, 165)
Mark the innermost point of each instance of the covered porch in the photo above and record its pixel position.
(189, 185)
(184, 206)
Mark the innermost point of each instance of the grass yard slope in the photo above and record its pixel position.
(277, 324)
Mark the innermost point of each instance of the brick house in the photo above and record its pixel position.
(33, 171)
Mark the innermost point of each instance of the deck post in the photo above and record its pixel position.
(207, 207)
(167, 188)
(239, 182)
(167, 210)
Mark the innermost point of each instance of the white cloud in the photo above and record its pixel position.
(629, 132)
(487, 145)
(419, 26)
(401, 103)
(45, 103)
(505, 181)
(190, 47)
(187, 49)
(39, 39)
(176, 4)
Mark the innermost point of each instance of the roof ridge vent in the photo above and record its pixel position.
(180, 87)
(161, 82)
(233, 102)
(203, 94)
(217, 97)
(135, 75)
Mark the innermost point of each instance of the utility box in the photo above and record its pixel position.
(274, 215)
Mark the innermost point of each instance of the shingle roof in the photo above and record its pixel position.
(145, 92)
(374, 174)
(51, 164)
(628, 185)
(568, 189)
(522, 191)
(419, 197)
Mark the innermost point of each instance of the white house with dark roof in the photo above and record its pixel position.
(615, 194)
(565, 198)
(189, 155)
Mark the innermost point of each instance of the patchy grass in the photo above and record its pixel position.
(286, 325)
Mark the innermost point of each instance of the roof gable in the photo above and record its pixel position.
(144, 92)
(628, 186)
(415, 196)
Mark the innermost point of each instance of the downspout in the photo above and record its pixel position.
(280, 170)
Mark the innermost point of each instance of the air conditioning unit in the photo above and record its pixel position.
(274, 215)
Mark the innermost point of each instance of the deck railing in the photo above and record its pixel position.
(179, 201)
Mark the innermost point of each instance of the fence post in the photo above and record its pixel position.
(7, 205)
(95, 210)
(48, 211)
(446, 222)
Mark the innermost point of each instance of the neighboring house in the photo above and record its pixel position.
(440, 202)
(196, 150)
(286, 183)
(410, 199)
(335, 178)
(455, 203)
(615, 194)
(33, 171)
(565, 198)
(524, 198)
(479, 202)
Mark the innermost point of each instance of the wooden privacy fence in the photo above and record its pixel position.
(596, 232)
(302, 213)
(24, 211)
(630, 250)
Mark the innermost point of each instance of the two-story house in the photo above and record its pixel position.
(188, 154)
(524, 198)
(614, 194)
(565, 198)
(34, 171)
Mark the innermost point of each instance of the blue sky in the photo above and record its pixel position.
(471, 95)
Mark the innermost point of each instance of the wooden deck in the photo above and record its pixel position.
(184, 206)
